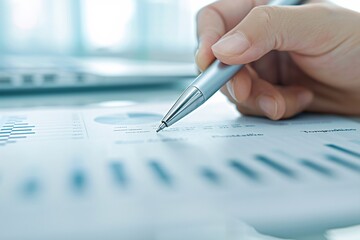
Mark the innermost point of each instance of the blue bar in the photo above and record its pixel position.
(160, 172)
(5, 132)
(274, 165)
(79, 180)
(31, 187)
(17, 137)
(118, 171)
(22, 133)
(22, 130)
(244, 170)
(344, 150)
(210, 175)
(317, 168)
(15, 127)
(344, 163)
(6, 129)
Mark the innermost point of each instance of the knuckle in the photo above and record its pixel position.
(264, 14)
(326, 8)
(268, 19)
(203, 12)
(210, 31)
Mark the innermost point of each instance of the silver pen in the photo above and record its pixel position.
(206, 84)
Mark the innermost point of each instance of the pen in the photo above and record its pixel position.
(206, 84)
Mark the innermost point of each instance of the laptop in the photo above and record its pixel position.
(19, 73)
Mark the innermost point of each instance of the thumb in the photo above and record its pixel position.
(307, 29)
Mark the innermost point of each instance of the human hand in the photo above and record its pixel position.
(299, 58)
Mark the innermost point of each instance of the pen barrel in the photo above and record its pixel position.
(214, 77)
(284, 2)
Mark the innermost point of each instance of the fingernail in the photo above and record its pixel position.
(234, 44)
(230, 88)
(196, 55)
(268, 105)
(198, 50)
(304, 99)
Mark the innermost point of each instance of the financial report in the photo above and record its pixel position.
(99, 170)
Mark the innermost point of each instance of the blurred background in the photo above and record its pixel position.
(139, 29)
(128, 28)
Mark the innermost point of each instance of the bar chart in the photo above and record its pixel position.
(14, 129)
(19, 128)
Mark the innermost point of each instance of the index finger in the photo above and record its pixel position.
(216, 19)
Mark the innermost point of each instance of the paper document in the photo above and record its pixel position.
(92, 171)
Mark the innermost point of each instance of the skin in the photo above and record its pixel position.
(298, 58)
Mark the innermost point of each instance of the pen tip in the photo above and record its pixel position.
(161, 127)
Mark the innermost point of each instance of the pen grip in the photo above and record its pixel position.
(214, 77)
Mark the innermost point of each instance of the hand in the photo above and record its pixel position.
(299, 58)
